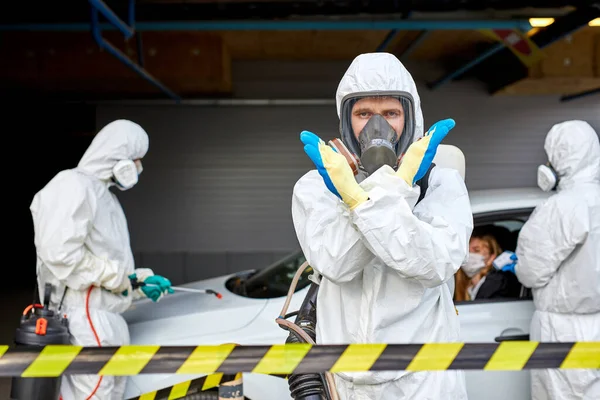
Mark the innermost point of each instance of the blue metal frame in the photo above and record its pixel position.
(414, 44)
(97, 34)
(286, 25)
(456, 73)
(114, 19)
(387, 40)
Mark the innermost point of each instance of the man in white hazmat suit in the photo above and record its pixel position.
(559, 257)
(384, 263)
(83, 250)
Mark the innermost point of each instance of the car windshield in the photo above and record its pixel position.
(275, 280)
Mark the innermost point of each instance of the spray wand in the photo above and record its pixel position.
(137, 284)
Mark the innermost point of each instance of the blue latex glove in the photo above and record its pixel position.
(154, 287)
(507, 261)
(419, 156)
(334, 169)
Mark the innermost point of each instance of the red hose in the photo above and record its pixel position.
(31, 307)
(87, 313)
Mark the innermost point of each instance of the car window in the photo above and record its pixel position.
(511, 224)
(504, 227)
(275, 280)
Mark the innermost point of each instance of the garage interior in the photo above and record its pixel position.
(224, 88)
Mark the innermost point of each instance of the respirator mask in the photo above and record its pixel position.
(547, 178)
(474, 264)
(378, 143)
(126, 173)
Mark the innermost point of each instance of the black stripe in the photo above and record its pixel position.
(228, 378)
(16, 360)
(473, 356)
(548, 355)
(243, 359)
(319, 359)
(167, 360)
(90, 360)
(196, 385)
(396, 357)
(163, 394)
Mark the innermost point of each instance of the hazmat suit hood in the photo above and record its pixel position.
(119, 140)
(573, 150)
(379, 74)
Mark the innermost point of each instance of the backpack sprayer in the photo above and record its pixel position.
(303, 330)
(39, 327)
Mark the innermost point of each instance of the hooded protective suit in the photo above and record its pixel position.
(82, 243)
(559, 257)
(385, 265)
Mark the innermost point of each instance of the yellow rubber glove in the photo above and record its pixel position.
(334, 169)
(420, 154)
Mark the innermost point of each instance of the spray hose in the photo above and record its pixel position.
(287, 325)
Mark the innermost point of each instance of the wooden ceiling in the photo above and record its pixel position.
(344, 45)
(570, 65)
(199, 63)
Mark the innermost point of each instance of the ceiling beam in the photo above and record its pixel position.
(498, 66)
(387, 40)
(412, 46)
(504, 69)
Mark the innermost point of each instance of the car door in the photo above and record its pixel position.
(496, 320)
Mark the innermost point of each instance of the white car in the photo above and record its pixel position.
(248, 317)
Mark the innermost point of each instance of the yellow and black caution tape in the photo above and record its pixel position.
(187, 388)
(190, 387)
(55, 360)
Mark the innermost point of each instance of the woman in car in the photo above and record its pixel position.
(478, 279)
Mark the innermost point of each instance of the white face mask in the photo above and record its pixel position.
(473, 265)
(126, 173)
(546, 178)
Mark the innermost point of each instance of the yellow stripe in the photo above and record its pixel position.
(511, 356)
(3, 350)
(148, 396)
(179, 390)
(52, 361)
(129, 360)
(358, 357)
(212, 381)
(282, 358)
(434, 356)
(583, 355)
(205, 359)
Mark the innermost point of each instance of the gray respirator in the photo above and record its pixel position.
(378, 144)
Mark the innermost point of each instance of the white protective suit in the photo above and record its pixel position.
(559, 257)
(82, 241)
(385, 265)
